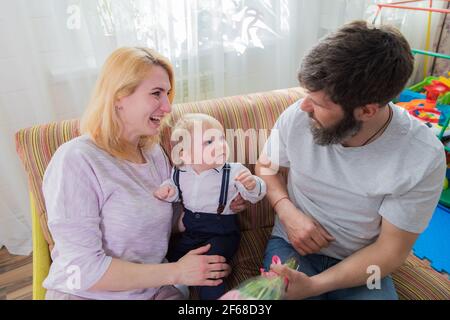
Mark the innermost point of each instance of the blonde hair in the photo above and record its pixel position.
(121, 74)
(187, 123)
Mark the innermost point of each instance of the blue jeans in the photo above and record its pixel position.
(314, 264)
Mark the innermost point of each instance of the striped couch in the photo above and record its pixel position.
(35, 146)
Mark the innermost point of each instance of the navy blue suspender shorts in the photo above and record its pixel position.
(202, 228)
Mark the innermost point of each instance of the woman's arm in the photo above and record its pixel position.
(73, 199)
(193, 269)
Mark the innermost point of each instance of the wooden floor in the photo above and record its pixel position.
(15, 276)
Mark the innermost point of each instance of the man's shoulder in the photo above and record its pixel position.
(417, 148)
(418, 137)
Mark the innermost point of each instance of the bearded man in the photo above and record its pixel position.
(364, 177)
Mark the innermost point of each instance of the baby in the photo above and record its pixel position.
(206, 184)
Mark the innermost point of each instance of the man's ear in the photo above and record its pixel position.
(366, 112)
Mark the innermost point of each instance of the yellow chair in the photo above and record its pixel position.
(35, 147)
(41, 254)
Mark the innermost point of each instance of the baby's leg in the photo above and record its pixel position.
(225, 246)
(185, 244)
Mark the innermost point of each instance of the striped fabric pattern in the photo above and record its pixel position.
(416, 280)
(248, 260)
(35, 147)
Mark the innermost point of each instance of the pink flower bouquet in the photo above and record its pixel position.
(267, 286)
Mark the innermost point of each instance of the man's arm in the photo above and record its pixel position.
(387, 253)
(305, 234)
(276, 185)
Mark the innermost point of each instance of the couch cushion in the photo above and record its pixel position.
(416, 280)
(248, 260)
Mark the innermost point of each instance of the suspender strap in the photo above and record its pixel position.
(224, 188)
(176, 180)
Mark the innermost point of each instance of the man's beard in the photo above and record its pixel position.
(343, 130)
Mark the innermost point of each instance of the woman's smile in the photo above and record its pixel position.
(156, 120)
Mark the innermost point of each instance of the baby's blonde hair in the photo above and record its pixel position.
(186, 124)
(188, 121)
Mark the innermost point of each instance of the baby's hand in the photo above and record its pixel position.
(247, 179)
(164, 192)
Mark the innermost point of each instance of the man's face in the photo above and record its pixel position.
(329, 123)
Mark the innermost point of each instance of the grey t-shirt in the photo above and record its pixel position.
(349, 190)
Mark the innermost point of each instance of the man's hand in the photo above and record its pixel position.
(306, 235)
(164, 192)
(238, 204)
(300, 286)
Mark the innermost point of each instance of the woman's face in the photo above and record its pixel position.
(142, 111)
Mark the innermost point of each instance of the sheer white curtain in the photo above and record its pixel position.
(51, 51)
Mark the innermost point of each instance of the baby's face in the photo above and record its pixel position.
(208, 148)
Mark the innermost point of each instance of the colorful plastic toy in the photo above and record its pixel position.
(445, 99)
(429, 101)
(419, 87)
(445, 81)
(408, 95)
(436, 89)
(425, 114)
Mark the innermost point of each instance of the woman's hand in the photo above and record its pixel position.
(197, 269)
(238, 204)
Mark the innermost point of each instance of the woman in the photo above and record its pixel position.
(111, 235)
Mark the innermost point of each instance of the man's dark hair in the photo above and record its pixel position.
(359, 64)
